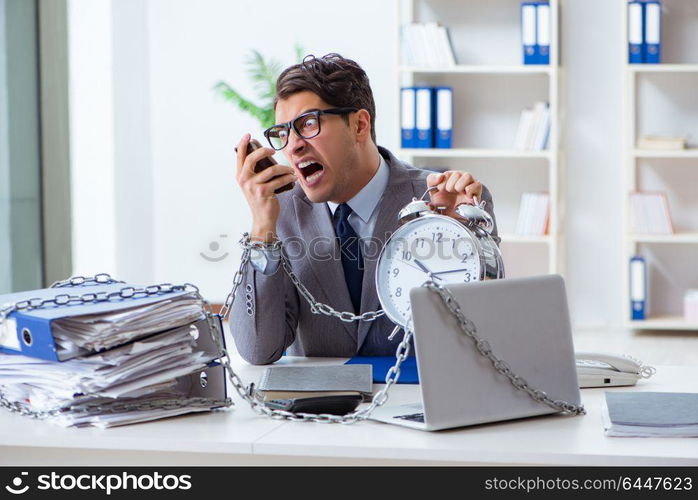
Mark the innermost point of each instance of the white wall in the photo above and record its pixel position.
(592, 99)
(173, 193)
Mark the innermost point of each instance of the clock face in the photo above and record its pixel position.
(429, 244)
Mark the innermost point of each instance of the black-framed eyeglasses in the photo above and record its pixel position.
(306, 125)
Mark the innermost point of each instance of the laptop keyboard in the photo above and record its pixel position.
(413, 417)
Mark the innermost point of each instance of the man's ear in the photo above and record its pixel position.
(362, 125)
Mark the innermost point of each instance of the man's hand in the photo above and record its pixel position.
(454, 188)
(259, 188)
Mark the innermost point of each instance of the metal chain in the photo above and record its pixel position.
(502, 367)
(244, 392)
(100, 279)
(127, 292)
(316, 307)
(247, 393)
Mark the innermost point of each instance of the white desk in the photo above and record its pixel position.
(239, 436)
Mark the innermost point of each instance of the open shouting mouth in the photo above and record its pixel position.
(311, 171)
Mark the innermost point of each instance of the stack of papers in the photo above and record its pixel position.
(128, 364)
(651, 414)
(97, 332)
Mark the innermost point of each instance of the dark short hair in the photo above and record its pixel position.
(336, 80)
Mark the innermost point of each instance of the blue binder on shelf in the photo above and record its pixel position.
(408, 122)
(542, 33)
(638, 288)
(443, 97)
(528, 32)
(424, 117)
(31, 332)
(652, 32)
(635, 32)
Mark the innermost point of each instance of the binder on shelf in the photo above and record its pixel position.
(424, 117)
(635, 32)
(528, 32)
(408, 122)
(444, 117)
(638, 288)
(652, 41)
(64, 332)
(542, 33)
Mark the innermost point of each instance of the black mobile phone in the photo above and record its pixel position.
(334, 405)
(264, 163)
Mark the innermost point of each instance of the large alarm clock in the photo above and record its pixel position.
(431, 246)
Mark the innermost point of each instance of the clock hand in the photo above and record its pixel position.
(422, 266)
(426, 270)
(415, 267)
(452, 271)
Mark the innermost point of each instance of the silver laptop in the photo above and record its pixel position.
(525, 320)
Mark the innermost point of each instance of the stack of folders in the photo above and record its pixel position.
(651, 414)
(112, 362)
(534, 128)
(644, 31)
(426, 117)
(535, 32)
(650, 214)
(426, 45)
(534, 214)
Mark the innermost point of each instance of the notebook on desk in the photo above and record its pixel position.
(525, 320)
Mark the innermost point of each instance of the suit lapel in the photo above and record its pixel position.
(322, 257)
(398, 193)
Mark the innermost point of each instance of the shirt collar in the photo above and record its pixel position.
(365, 201)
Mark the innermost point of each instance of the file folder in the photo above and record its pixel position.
(638, 288)
(542, 33)
(528, 32)
(32, 332)
(444, 117)
(652, 45)
(635, 33)
(407, 117)
(424, 117)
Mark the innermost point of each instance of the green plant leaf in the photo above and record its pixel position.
(264, 74)
(263, 114)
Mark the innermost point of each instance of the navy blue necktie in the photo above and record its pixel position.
(352, 260)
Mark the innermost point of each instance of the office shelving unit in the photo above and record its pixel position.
(666, 92)
(491, 86)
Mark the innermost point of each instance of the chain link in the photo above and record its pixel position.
(316, 307)
(502, 367)
(99, 279)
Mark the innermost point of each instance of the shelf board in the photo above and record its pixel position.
(665, 238)
(523, 238)
(663, 323)
(474, 153)
(665, 153)
(533, 69)
(663, 68)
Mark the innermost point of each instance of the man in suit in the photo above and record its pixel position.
(342, 208)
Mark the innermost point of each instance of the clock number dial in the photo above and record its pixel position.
(435, 247)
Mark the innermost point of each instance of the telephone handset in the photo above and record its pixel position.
(608, 370)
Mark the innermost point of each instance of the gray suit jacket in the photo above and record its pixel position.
(270, 317)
